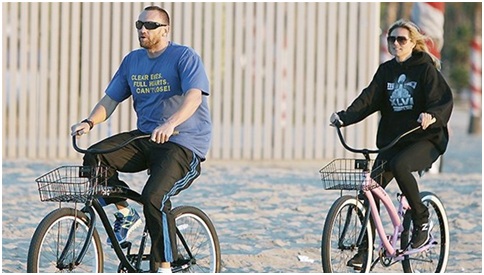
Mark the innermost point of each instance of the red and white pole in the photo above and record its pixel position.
(429, 16)
(476, 85)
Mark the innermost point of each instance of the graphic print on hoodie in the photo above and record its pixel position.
(401, 94)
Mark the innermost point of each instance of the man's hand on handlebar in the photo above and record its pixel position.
(80, 129)
(162, 133)
(335, 120)
(425, 120)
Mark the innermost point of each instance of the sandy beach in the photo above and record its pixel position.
(267, 213)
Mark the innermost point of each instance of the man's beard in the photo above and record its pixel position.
(147, 43)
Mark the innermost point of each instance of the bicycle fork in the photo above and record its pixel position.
(71, 241)
(364, 224)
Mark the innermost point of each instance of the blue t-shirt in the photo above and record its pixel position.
(158, 86)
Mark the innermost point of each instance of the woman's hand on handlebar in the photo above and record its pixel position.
(425, 120)
(335, 121)
(80, 129)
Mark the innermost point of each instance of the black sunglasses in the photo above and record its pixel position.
(402, 40)
(149, 25)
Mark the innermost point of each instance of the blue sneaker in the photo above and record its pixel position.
(124, 225)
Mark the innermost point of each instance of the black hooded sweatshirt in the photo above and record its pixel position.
(401, 92)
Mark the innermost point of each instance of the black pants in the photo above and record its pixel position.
(172, 169)
(401, 161)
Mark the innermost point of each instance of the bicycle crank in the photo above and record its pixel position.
(385, 260)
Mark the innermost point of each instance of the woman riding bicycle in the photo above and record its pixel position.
(406, 90)
(169, 88)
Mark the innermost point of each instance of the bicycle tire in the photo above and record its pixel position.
(345, 217)
(197, 240)
(434, 259)
(50, 239)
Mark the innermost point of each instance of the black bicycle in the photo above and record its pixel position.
(67, 240)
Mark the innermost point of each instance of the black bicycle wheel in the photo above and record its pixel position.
(434, 259)
(57, 241)
(341, 229)
(197, 242)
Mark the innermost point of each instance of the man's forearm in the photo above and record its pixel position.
(103, 110)
(191, 103)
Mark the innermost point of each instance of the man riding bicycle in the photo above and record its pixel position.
(169, 87)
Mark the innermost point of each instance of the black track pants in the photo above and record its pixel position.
(172, 169)
(401, 161)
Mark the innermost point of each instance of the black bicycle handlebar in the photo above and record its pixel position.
(110, 150)
(373, 151)
(104, 151)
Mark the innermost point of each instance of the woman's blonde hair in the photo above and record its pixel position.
(417, 37)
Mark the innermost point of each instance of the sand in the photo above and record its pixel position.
(267, 213)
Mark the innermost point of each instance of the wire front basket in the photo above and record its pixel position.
(347, 174)
(71, 183)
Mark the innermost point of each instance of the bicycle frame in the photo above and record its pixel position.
(115, 244)
(94, 207)
(396, 217)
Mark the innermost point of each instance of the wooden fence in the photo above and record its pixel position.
(277, 71)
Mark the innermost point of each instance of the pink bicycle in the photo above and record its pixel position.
(348, 226)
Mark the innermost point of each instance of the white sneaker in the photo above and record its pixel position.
(164, 270)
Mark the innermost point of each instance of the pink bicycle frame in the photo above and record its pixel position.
(395, 216)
